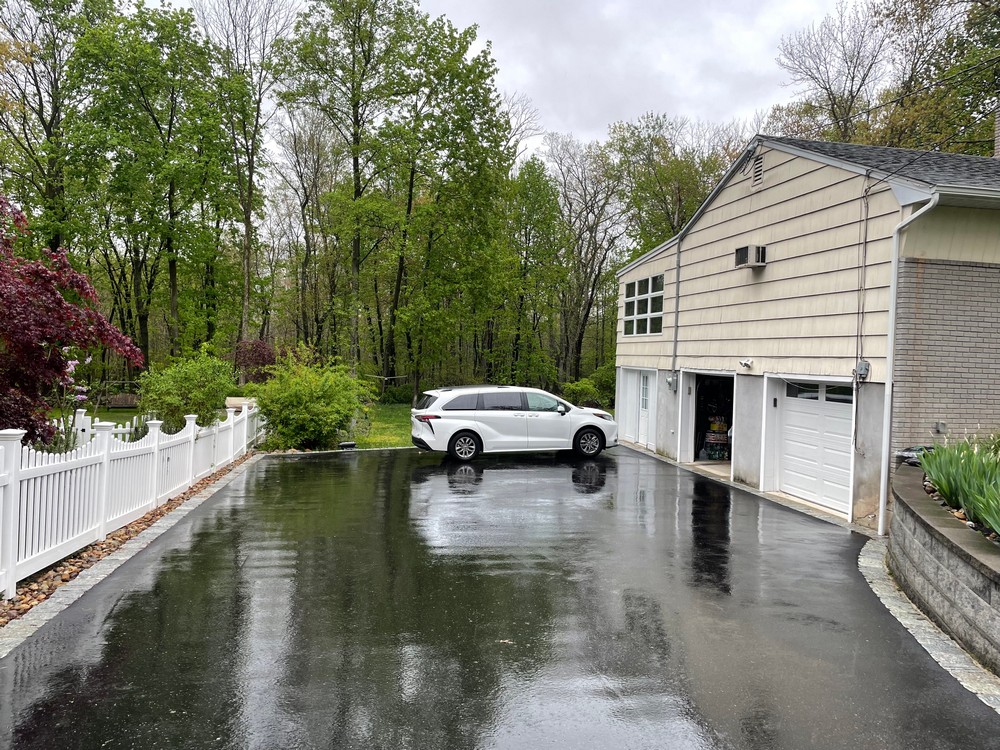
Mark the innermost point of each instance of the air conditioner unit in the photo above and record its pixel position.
(751, 256)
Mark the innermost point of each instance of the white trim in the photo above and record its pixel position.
(770, 443)
(656, 251)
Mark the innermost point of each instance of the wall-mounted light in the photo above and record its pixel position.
(746, 363)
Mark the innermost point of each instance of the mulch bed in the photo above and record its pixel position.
(35, 589)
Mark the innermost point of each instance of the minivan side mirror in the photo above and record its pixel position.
(561, 409)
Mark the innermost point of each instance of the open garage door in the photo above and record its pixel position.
(816, 434)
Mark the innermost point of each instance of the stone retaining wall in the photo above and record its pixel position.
(949, 571)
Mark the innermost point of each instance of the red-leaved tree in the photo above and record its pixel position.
(47, 310)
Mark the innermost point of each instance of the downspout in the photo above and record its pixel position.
(677, 306)
(673, 359)
(890, 361)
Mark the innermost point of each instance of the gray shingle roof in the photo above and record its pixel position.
(934, 168)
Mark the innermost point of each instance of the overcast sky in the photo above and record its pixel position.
(588, 63)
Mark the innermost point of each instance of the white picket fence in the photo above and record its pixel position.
(52, 505)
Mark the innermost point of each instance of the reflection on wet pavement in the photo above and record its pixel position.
(392, 600)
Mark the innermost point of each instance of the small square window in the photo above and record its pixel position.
(656, 325)
(802, 390)
(630, 289)
(644, 286)
(629, 327)
(843, 394)
(640, 325)
(630, 308)
(658, 283)
(656, 304)
(643, 307)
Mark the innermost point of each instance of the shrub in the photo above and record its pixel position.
(966, 475)
(582, 392)
(198, 385)
(397, 394)
(310, 406)
(604, 378)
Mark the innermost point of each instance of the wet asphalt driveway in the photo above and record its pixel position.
(392, 600)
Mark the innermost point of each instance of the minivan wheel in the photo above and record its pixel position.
(464, 446)
(588, 442)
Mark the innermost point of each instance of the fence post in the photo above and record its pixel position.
(231, 440)
(154, 432)
(103, 432)
(10, 441)
(192, 426)
(80, 425)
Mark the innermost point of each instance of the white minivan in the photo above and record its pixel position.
(468, 420)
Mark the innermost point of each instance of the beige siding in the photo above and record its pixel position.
(803, 311)
(949, 233)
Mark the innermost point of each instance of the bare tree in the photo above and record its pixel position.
(590, 189)
(839, 64)
(309, 169)
(245, 32)
(524, 124)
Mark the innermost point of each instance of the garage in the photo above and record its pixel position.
(815, 462)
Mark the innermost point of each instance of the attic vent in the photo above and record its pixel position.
(758, 171)
(751, 256)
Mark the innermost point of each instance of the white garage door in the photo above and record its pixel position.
(815, 460)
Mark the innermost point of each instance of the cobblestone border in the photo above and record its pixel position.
(948, 654)
(19, 630)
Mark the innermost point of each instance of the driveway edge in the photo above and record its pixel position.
(939, 645)
(18, 631)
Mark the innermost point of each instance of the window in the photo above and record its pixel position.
(541, 402)
(424, 401)
(467, 401)
(501, 401)
(842, 394)
(644, 306)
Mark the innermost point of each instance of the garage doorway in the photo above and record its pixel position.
(713, 418)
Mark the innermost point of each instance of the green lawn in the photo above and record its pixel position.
(390, 427)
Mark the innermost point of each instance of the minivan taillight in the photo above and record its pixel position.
(427, 417)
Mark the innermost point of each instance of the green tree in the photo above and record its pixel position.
(246, 33)
(346, 61)
(37, 38)
(669, 166)
(151, 157)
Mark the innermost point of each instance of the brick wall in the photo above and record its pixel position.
(947, 350)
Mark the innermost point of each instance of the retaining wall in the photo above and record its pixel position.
(949, 571)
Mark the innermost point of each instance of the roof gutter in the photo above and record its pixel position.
(890, 357)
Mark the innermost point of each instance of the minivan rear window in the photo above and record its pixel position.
(467, 401)
(424, 401)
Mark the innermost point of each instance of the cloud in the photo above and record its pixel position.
(588, 63)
